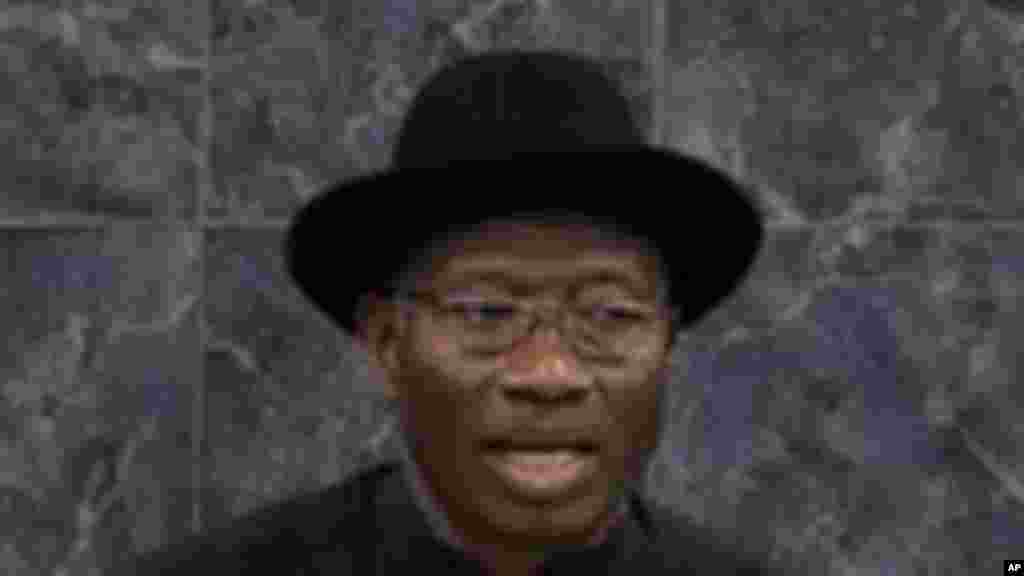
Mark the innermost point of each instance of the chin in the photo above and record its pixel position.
(572, 518)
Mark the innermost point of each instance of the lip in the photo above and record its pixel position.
(541, 445)
(543, 483)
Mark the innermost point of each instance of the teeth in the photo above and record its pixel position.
(556, 458)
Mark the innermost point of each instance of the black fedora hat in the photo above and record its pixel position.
(518, 133)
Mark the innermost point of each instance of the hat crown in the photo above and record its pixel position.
(501, 104)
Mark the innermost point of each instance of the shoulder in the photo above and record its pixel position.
(298, 529)
(682, 544)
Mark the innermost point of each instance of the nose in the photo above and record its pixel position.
(544, 367)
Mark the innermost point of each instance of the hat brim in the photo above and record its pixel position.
(351, 238)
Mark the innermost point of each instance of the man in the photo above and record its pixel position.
(518, 277)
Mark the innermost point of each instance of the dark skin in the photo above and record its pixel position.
(450, 402)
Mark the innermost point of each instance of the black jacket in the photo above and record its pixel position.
(369, 524)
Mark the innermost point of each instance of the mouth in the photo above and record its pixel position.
(580, 446)
(542, 471)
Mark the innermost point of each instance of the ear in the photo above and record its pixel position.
(379, 331)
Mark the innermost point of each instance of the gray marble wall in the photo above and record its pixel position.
(855, 409)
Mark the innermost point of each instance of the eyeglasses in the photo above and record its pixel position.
(606, 328)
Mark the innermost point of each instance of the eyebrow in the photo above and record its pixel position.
(517, 283)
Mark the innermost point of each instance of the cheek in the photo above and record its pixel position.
(639, 407)
(440, 346)
(438, 385)
(441, 356)
(651, 355)
(639, 410)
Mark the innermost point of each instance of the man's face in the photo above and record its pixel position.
(455, 403)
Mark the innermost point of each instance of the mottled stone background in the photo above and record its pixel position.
(854, 410)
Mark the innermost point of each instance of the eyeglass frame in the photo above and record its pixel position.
(437, 304)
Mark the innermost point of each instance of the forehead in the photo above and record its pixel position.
(542, 251)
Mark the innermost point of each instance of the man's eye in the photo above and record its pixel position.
(484, 311)
(617, 314)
